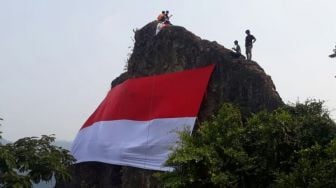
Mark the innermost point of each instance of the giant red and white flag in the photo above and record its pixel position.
(137, 123)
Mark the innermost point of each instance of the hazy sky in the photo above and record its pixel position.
(57, 58)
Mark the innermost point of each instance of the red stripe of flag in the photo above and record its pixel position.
(169, 95)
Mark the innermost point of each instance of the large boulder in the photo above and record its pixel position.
(234, 80)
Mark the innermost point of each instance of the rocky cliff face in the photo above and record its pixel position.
(234, 80)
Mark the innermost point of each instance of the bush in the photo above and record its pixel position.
(292, 146)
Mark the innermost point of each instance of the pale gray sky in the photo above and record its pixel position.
(57, 58)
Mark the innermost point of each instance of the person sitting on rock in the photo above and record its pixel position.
(236, 49)
(165, 23)
(161, 17)
(162, 25)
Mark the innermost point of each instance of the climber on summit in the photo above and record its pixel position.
(236, 49)
(163, 20)
(249, 40)
(161, 17)
(167, 16)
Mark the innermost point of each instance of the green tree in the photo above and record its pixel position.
(292, 146)
(32, 160)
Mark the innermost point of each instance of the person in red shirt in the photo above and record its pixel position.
(161, 17)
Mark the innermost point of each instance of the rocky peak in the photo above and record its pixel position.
(174, 49)
(234, 80)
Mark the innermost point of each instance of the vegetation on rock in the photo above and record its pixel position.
(293, 146)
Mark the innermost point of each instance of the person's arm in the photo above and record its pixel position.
(234, 48)
(254, 39)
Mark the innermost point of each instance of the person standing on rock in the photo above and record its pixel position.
(167, 16)
(249, 40)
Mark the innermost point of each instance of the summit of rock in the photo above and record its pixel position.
(175, 48)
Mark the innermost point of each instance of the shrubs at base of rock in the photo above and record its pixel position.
(293, 146)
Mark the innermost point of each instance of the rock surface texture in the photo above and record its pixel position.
(234, 80)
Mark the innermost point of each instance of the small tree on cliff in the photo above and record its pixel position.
(294, 146)
(31, 160)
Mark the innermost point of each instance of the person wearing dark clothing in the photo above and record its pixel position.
(236, 49)
(167, 17)
(249, 40)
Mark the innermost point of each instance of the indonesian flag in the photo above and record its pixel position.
(138, 121)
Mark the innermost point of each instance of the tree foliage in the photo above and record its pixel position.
(32, 160)
(293, 146)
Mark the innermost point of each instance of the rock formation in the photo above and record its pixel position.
(234, 80)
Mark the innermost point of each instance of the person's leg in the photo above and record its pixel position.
(248, 53)
(251, 53)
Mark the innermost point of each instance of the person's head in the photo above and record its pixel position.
(247, 32)
(167, 12)
(235, 42)
(163, 12)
